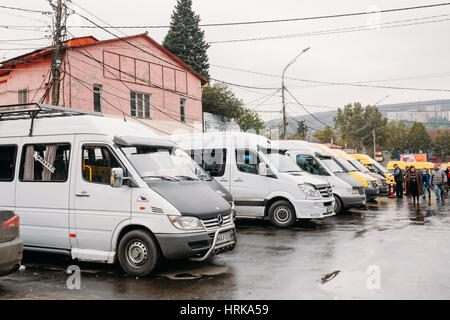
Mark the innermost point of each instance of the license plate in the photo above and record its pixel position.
(226, 236)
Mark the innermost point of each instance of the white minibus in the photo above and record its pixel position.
(106, 189)
(263, 180)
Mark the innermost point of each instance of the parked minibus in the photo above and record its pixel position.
(347, 191)
(106, 189)
(263, 180)
(381, 180)
(374, 166)
(371, 187)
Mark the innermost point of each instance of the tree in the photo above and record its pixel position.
(417, 139)
(326, 135)
(250, 120)
(301, 132)
(355, 126)
(186, 40)
(219, 99)
(441, 145)
(396, 137)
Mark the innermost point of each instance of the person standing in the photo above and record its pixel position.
(447, 173)
(413, 184)
(425, 175)
(398, 177)
(438, 179)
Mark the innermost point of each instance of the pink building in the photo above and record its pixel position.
(133, 76)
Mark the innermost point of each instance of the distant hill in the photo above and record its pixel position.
(435, 114)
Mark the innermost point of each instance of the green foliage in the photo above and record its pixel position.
(396, 138)
(186, 40)
(354, 126)
(220, 100)
(441, 145)
(250, 120)
(326, 135)
(301, 131)
(417, 139)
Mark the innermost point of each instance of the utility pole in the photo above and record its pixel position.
(283, 88)
(57, 56)
(374, 146)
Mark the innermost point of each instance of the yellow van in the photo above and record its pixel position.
(401, 164)
(370, 184)
(374, 165)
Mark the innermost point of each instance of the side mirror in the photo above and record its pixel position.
(116, 177)
(262, 169)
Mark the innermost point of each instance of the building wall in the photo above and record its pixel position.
(119, 69)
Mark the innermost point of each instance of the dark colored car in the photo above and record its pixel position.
(11, 247)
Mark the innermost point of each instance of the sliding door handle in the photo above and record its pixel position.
(83, 194)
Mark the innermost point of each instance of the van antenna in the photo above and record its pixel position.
(124, 118)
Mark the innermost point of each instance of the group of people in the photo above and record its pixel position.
(417, 183)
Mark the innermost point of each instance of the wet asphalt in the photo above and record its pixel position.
(392, 249)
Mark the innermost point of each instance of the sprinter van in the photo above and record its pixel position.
(375, 166)
(371, 187)
(348, 192)
(381, 180)
(105, 190)
(263, 180)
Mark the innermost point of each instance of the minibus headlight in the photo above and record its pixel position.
(186, 223)
(309, 191)
(355, 190)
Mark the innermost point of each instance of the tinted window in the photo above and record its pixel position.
(97, 162)
(247, 161)
(211, 160)
(7, 162)
(309, 164)
(45, 162)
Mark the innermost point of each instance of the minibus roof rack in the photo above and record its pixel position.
(39, 110)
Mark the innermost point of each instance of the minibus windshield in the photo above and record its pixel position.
(331, 165)
(379, 167)
(359, 166)
(282, 162)
(345, 164)
(171, 164)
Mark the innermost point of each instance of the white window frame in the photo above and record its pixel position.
(99, 87)
(146, 100)
(20, 95)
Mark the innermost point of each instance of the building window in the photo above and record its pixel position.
(140, 105)
(23, 95)
(183, 110)
(97, 98)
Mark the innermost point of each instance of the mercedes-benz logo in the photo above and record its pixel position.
(220, 219)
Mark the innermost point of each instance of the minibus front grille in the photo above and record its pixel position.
(213, 224)
(325, 191)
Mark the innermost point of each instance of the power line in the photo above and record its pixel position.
(237, 23)
(304, 108)
(25, 10)
(243, 86)
(386, 25)
(358, 84)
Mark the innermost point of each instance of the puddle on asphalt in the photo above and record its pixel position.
(193, 272)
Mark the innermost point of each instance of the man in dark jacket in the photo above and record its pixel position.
(399, 179)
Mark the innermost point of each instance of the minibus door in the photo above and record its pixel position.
(99, 207)
(249, 189)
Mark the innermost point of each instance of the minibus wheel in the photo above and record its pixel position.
(282, 214)
(337, 205)
(138, 253)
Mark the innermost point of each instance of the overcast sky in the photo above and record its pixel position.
(420, 52)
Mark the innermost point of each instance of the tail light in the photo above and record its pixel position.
(11, 223)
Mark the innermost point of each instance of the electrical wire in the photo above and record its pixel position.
(341, 15)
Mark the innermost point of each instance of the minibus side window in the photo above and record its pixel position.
(8, 156)
(97, 162)
(309, 164)
(45, 162)
(247, 161)
(211, 160)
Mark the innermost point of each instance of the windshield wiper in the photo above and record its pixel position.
(167, 178)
